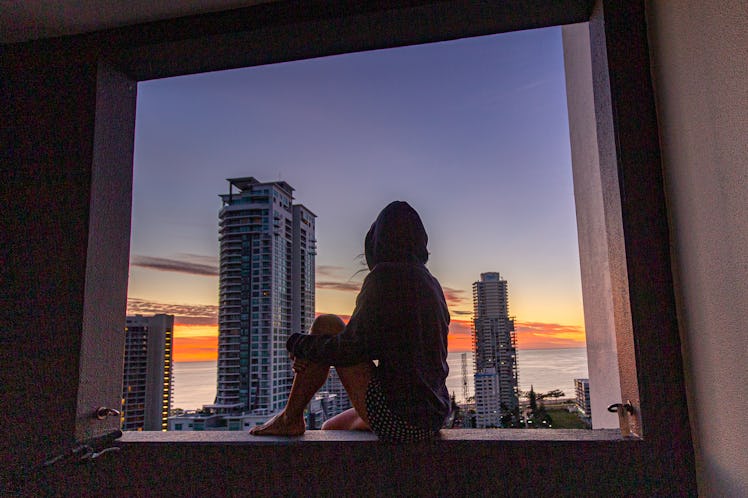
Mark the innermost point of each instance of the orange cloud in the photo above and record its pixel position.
(537, 335)
(332, 278)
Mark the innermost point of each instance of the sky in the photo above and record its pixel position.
(473, 133)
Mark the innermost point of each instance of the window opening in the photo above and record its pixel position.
(472, 132)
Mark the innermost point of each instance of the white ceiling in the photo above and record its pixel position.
(24, 20)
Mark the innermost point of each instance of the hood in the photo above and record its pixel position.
(397, 236)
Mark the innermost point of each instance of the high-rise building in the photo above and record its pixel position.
(494, 344)
(267, 252)
(147, 374)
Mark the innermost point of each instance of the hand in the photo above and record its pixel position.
(299, 365)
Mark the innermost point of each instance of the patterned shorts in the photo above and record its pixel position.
(385, 424)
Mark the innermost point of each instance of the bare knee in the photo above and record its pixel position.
(331, 425)
(348, 420)
(327, 325)
(339, 422)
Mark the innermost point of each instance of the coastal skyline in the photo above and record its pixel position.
(473, 133)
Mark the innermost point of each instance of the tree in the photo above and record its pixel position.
(556, 393)
(533, 400)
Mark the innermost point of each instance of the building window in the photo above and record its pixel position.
(652, 334)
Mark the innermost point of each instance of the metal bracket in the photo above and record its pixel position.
(103, 412)
(626, 417)
(622, 407)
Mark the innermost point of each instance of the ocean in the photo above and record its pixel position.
(543, 369)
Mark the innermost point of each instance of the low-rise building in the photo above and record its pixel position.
(582, 389)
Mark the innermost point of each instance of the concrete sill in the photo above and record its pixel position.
(511, 436)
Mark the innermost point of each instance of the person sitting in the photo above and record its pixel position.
(400, 319)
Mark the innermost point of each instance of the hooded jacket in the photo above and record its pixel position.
(400, 319)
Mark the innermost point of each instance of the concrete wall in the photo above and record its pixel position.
(592, 228)
(699, 57)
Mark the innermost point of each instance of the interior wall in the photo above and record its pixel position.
(47, 113)
(699, 61)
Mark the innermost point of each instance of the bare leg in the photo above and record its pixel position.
(306, 382)
(356, 380)
(290, 422)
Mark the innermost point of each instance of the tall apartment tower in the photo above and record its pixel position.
(494, 344)
(267, 252)
(147, 374)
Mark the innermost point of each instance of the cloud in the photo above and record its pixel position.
(198, 258)
(461, 327)
(346, 286)
(177, 265)
(548, 328)
(538, 335)
(184, 314)
(333, 278)
(329, 270)
(460, 312)
(530, 335)
(532, 84)
(454, 297)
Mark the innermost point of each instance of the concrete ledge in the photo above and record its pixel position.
(447, 436)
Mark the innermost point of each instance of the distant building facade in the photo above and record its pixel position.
(206, 420)
(147, 373)
(487, 401)
(494, 345)
(582, 390)
(338, 400)
(267, 279)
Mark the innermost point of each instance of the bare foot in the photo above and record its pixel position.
(280, 426)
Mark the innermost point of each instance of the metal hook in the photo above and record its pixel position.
(96, 454)
(103, 412)
(627, 407)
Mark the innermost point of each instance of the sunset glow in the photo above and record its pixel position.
(200, 342)
(536, 335)
(195, 343)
